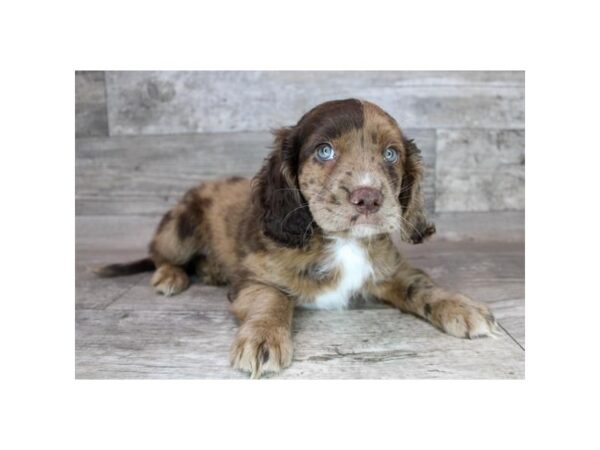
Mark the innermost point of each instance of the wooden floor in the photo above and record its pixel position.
(124, 330)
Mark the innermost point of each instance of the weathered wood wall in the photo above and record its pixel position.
(144, 137)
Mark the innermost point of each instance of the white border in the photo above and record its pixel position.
(44, 42)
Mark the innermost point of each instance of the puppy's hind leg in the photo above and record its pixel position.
(170, 280)
(176, 242)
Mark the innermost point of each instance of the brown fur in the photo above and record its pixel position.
(269, 237)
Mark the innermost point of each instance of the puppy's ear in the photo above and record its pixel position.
(285, 214)
(415, 227)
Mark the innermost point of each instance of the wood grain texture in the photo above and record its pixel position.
(374, 344)
(480, 170)
(470, 124)
(91, 118)
(195, 102)
(124, 330)
(470, 128)
(148, 174)
(497, 226)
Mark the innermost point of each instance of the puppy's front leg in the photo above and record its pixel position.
(411, 290)
(264, 341)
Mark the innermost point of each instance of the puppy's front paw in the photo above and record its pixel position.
(169, 280)
(258, 348)
(458, 315)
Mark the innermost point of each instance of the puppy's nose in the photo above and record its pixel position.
(366, 200)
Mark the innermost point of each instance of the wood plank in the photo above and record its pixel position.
(212, 101)
(150, 344)
(91, 117)
(386, 344)
(497, 226)
(148, 174)
(511, 316)
(95, 235)
(93, 292)
(480, 170)
(99, 242)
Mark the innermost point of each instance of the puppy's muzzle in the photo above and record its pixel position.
(366, 200)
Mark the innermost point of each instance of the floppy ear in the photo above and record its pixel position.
(415, 227)
(285, 214)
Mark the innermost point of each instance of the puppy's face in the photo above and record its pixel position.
(352, 162)
(344, 168)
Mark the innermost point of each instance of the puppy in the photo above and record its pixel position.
(311, 229)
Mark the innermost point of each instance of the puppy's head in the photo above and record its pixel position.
(347, 169)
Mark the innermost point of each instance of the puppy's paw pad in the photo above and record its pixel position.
(260, 349)
(460, 316)
(168, 280)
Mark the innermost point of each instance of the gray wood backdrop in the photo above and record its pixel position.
(142, 138)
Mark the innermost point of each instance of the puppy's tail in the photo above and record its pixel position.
(130, 268)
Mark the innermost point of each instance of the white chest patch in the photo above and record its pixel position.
(355, 268)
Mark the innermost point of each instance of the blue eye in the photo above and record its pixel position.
(325, 152)
(390, 155)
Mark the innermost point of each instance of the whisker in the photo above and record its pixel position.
(306, 231)
(406, 188)
(412, 226)
(336, 215)
(288, 189)
(290, 213)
